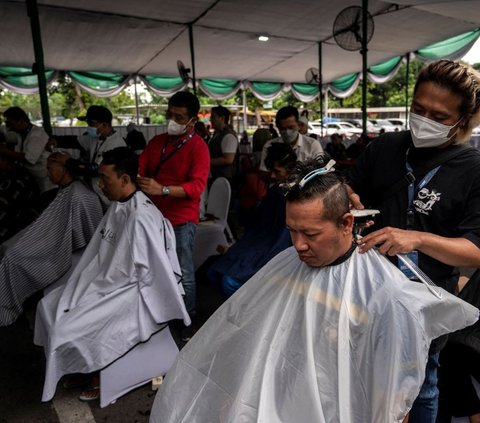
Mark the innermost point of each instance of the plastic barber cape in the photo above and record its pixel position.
(122, 290)
(346, 343)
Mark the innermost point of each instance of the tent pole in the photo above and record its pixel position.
(39, 67)
(136, 101)
(192, 57)
(326, 105)
(407, 77)
(245, 108)
(364, 64)
(320, 83)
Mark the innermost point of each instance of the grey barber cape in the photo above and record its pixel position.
(123, 290)
(42, 252)
(345, 343)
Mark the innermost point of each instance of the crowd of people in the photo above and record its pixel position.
(319, 323)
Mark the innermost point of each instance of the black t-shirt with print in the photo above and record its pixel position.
(448, 205)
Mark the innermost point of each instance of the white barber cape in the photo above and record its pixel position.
(123, 290)
(346, 343)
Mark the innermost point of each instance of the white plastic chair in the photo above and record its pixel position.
(138, 367)
(218, 200)
(211, 233)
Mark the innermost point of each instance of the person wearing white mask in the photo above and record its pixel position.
(173, 170)
(286, 120)
(98, 138)
(426, 184)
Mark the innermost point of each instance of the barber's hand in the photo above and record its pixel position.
(149, 186)
(354, 199)
(51, 144)
(391, 241)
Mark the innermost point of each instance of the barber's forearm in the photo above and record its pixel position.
(451, 251)
(177, 192)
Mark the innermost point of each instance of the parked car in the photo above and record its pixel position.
(358, 123)
(399, 123)
(343, 128)
(316, 128)
(383, 124)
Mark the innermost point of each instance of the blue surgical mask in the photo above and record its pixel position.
(92, 132)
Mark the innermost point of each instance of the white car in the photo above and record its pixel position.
(316, 128)
(384, 124)
(358, 123)
(342, 128)
(398, 123)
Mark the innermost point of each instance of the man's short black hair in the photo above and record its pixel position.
(329, 187)
(186, 99)
(280, 153)
(124, 160)
(223, 112)
(285, 113)
(16, 113)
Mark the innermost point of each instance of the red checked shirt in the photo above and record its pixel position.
(187, 167)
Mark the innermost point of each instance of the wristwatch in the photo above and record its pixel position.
(165, 190)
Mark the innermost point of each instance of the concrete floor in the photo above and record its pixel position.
(22, 367)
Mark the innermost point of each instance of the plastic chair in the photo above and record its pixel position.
(136, 368)
(218, 200)
(213, 232)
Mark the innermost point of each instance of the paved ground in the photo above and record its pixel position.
(22, 368)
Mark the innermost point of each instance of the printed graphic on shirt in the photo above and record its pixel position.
(109, 236)
(425, 200)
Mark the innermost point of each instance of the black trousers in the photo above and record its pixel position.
(458, 397)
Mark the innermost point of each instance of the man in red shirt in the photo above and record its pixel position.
(173, 171)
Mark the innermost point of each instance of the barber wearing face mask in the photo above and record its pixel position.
(98, 138)
(426, 184)
(304, 147)
(173, 170)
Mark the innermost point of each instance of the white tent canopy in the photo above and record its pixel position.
(149, 36)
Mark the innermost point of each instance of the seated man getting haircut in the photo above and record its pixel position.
(42, 252)
(267, 235)
(320, 334)
(124, 288)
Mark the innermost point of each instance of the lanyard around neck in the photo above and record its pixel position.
(164, 157)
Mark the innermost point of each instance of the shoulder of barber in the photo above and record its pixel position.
(437, 119)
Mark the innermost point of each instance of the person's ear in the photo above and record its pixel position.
(347, 223)
(191, 122)
(125, 179)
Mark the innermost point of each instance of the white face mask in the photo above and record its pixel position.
(429, 133)
(92, 132)
(289, 135)
(175, 128)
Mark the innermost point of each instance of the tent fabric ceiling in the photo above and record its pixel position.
(148, 36)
